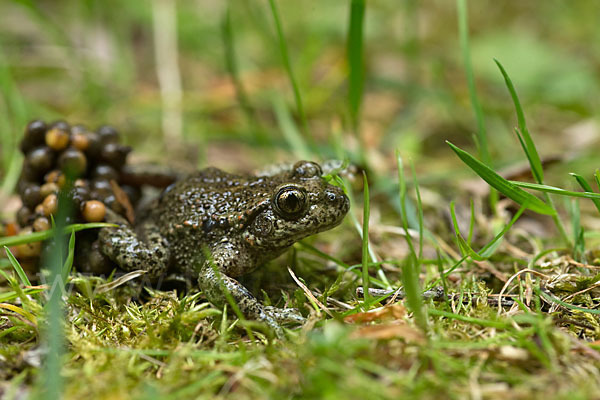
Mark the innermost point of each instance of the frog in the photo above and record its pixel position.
(214, 227)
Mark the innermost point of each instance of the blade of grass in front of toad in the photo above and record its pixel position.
(531, 151)
(50, 384)
(44, 235)
(383, 280)
(505, 187)
(17, 267)
(285, 58)
(481, 138)
(68, 264)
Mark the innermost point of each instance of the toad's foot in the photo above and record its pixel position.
(285, 315)
(217, 287)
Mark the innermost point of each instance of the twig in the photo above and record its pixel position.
(436, 294)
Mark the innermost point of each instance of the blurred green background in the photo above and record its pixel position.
(97, 62)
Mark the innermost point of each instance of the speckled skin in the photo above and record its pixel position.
(216, 226)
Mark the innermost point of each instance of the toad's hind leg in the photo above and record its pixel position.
(147, 251)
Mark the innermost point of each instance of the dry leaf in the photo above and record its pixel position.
(389, 331)
(390, 312)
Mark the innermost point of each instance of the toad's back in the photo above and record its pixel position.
(211, 198)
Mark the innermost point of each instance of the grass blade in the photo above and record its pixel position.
(365, 242)
(412, 288)
(556, 300)
(68, 264)
(402, 189)
(597, 178)
(419, 210)
(555, 190)
(355, 60)
(233, 70)
(505, 187)
(44, 235)
(410, 273)
(578, 231)
(482, 142)
(522, 131)
(290, 130)
(471, 320)
(489, 249)
(530, 150)
(465, 249)
(586, 186)
(288, 67)
(17, 267)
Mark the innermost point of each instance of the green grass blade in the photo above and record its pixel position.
(523, 132)
(463, 31)
(597, 178)
(410, 267)
(355, 60)
(68, 265)
(578, 231)
(44, 235)
(555, 190)
(412, 289)
(470, 320)
(471, 222)
(233, 70)
(288, 67)
(556, 300)
(12, 119)
(419, 211)
(290, 131)
(465, 249)
(489, 249)
(586, 187)
(17, 267)
(51, 380)
(11, 295)
(505, 187)
(402, 189)
(365, 242)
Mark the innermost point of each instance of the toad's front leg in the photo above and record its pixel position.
(216, 284)
(145, 249)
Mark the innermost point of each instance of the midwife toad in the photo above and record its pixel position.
(240, 222)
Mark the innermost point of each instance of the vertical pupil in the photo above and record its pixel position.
(291, 201)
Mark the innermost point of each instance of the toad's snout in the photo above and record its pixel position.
(337, 200)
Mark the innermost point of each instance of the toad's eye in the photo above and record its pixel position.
(290, 201)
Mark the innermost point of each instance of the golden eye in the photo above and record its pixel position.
(290, 201)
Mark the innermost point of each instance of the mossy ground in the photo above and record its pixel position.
(98, 61)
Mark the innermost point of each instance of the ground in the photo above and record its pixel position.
(238, 85)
